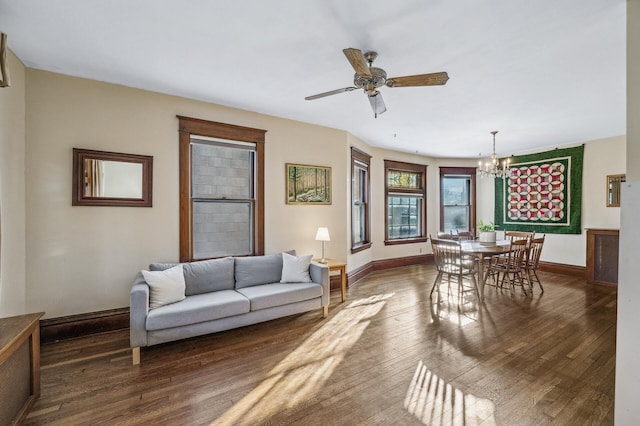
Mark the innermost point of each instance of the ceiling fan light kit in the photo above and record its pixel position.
(370, 78)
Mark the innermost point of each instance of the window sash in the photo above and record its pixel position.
(459, 201)
(215, 171)
(222, 228)
(359, 204)
(404, 216)
(360, 193)
(405, 202)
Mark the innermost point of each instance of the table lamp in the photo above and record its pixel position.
(323, 235)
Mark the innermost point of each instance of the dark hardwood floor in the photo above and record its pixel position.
(387, 356)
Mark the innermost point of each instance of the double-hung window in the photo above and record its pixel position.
(221, 190)
(457, 199)
(405, 206)
(360, 192)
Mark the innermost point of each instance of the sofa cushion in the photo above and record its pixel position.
(270, 295)
(162, 266)
(198, 308)
(209, 275)
(204, 276)
(165, 287)
(295, 269)
(257, 270)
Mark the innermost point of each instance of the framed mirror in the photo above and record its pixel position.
(614, 183)
(103, 178)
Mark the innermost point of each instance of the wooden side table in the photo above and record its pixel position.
(341, 267)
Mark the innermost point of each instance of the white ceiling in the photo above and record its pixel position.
(544, 73)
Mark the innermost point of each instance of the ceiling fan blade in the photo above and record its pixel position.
(332, 92)
(377, 104)
(357, 60)
(433, 79)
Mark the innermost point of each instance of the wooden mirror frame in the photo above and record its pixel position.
(80, 199)
(614, 184)
(4, 72)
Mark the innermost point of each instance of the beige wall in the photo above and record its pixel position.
(602, 157)
(84, 259)
(627, 410)
(364, 257)
(12, 191)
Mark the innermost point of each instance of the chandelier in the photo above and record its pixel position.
(492, 167)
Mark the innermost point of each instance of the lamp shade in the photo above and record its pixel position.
(323, 234)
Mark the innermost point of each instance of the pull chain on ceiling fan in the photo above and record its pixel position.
(370, 78)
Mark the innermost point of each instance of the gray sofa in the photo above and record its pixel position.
(222, 294)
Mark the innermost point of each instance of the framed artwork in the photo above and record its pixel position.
(308, 184)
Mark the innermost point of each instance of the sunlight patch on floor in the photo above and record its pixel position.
(300, 376)
(433, 401)
(457, 309)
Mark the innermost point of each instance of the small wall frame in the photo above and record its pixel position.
(307, 184)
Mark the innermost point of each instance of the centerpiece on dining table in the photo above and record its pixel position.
(487, 232)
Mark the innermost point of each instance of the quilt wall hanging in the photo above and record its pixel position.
(543, 194)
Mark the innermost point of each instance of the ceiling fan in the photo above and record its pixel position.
(369, 78)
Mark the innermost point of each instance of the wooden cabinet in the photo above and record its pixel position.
(19, 366)
(602, 256)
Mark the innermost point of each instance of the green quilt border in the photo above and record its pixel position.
(574, 226)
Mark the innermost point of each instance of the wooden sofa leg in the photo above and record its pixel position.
(136, 356)
(325, 311)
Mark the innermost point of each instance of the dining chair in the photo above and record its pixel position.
(510, 267)
(451, 262)
(513, 236)
(518, 235)
(531, 263)
(465, 236)
(446, 236)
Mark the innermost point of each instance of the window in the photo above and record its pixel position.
(221, 190)
(360, 192)
(405, 206)
(457, 199)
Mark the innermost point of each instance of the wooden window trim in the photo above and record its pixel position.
(470, 171)
(363, 157)
(409, 167)
(193, 126)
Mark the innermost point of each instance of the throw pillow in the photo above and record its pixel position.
(295, 269)
(165, 287)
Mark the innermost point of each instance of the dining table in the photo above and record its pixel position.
(483, 250)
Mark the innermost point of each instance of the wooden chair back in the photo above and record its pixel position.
(448, 258)
(465, 236)
(518, 235)
(445, 236)
(535, 248)
(446, 254)
(518, 254)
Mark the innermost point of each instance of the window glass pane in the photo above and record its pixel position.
(455, 191)
(359, 209)
(221, 228)
(403, 179)
(358, 223)
(221, 171)
(404, 219)
(456, 218)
